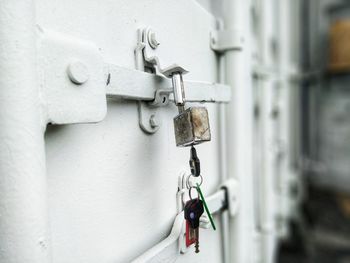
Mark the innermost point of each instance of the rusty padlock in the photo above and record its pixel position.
(191, 125)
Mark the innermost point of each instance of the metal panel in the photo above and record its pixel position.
(104, 178)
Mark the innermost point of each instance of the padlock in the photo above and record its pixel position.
(191, 125)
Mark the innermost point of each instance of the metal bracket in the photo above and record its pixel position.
(173, 244)
(232, 196)
(72, 79)
(264, 73)
(148, 120)
(161, 97)
(148, 117)
(148, 41)
(224, 40)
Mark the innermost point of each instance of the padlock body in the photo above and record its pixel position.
(192, 127)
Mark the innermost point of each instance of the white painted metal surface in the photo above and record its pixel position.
(239, 131)
(81, 182)
(24, 235)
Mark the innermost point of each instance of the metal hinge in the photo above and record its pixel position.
(225, 40)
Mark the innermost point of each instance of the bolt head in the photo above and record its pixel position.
(154, 122)
(152, 40)
(77, 72)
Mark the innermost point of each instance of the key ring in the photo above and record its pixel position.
(189, 184)
(190, 190)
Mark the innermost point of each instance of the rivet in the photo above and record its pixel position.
(154, 121)
(77, 72)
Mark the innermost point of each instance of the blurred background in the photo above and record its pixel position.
(308, 40)
(322, 232)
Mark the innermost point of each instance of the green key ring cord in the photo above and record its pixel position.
(206, 207)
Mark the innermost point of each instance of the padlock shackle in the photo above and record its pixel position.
(179, 90)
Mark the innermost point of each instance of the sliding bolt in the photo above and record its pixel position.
(179, 91)
(175, 72)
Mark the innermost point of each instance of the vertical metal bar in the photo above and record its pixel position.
(23, 190)
(268, 201)
(224, 216)
(283, 106)
(239, 130)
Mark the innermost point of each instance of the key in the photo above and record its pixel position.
(193, 211)
(194, 163)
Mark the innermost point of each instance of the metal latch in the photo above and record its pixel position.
(147, 60)
(75, 81)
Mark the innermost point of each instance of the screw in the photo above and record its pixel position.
(154, 121)
(77, 72)
(152, 40)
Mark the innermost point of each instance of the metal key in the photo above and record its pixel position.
(194, 163)
(193, 211)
